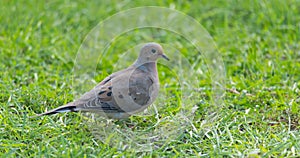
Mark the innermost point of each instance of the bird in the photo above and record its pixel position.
(125, 92)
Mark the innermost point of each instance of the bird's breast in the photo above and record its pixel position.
(135, 92)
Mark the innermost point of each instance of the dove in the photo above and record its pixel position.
(125, 92)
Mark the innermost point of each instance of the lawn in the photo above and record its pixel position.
(258, 108)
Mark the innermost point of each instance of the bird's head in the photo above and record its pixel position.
(150, 52)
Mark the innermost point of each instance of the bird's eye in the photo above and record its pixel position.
(153, 51)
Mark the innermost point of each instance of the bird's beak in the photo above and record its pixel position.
(165, 57)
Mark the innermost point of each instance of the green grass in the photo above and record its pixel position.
(260, 45)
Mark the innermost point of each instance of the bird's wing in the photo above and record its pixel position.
(101, 96)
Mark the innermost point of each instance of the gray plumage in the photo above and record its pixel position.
(125, 92)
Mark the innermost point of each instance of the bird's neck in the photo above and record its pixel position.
(147, 67)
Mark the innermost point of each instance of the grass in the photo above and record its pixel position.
(259, 44)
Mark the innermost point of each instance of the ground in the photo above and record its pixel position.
(257, 40)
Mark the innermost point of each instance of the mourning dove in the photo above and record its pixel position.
(125, 92)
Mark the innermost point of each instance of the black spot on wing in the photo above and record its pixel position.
(151, 80)
(107, 80)
(101, 92)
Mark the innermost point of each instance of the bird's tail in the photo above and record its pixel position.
(65, 108)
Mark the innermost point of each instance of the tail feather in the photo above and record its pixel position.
(65, 108)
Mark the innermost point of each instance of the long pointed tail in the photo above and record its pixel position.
(64, 108)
